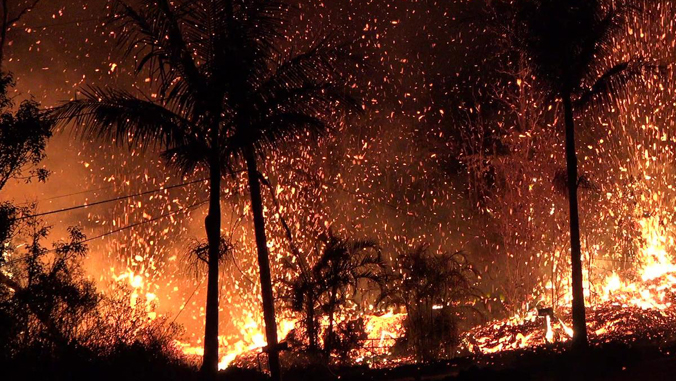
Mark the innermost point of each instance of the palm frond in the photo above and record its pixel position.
(120, 117)
(270, 133)
(244, 44)
(154, 33)
(188, 157)
(361, 245)
(613, 83)
(266, 22)
(613, 21)
(327, 61)
(307, 94)
(564, 38)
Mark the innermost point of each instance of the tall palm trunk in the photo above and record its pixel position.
(310, 323)
(263, 264)
(328, 344)
(213, 228)
(579, 320)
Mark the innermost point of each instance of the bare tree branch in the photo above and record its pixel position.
(8, 21)
(22, 12)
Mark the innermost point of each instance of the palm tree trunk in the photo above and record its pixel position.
(310, 322)
(263, 264)
(213, 228)
(328, 345)
(579, 320)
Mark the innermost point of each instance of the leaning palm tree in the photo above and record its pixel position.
(569, 43)
(224, 92)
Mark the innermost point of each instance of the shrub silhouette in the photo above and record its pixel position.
(56, 325)
(433, 288)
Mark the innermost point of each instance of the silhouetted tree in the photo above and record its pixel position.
(197, 262)
(567, 43)
(23, 137)
(42, 292)
(434, 289)
(345, 269)
(349, 335)
(55, 323)
(226, 90)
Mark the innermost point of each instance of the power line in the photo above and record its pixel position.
(76, 193)
(128, 173)
(162, 216)
(97, 19)
(186, 302)
(84, 206)
(84, 191)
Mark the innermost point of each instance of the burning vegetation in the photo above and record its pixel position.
(257, 193)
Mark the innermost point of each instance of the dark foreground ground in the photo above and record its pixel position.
(605, 362)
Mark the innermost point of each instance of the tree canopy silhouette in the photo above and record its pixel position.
(228, 88)
(434, 288)
(569, 44)
(23, 137)
(346, 268)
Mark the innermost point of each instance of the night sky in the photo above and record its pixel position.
(62, 46)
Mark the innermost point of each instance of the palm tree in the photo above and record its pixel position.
(225, 91)
(567, 43)
(435, 289)
(346, 267)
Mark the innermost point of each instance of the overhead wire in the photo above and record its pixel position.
(83, 192)
(120, 198)
(137, 224)
(160, 217)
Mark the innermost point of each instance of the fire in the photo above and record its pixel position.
(614, 311)
(656, 270)
(253, 340)
(138, 293)
(367, 186)
(385, 328)
(382, 330)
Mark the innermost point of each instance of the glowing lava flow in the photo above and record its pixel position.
(627, 308)
(385, 328)
(382, 331)
(138, 295)
(657, 274)
(253, 341)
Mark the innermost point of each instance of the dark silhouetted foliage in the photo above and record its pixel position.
(345, 269)
(23, 137)
(435, 290)
(55, 325)
(226, 91)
